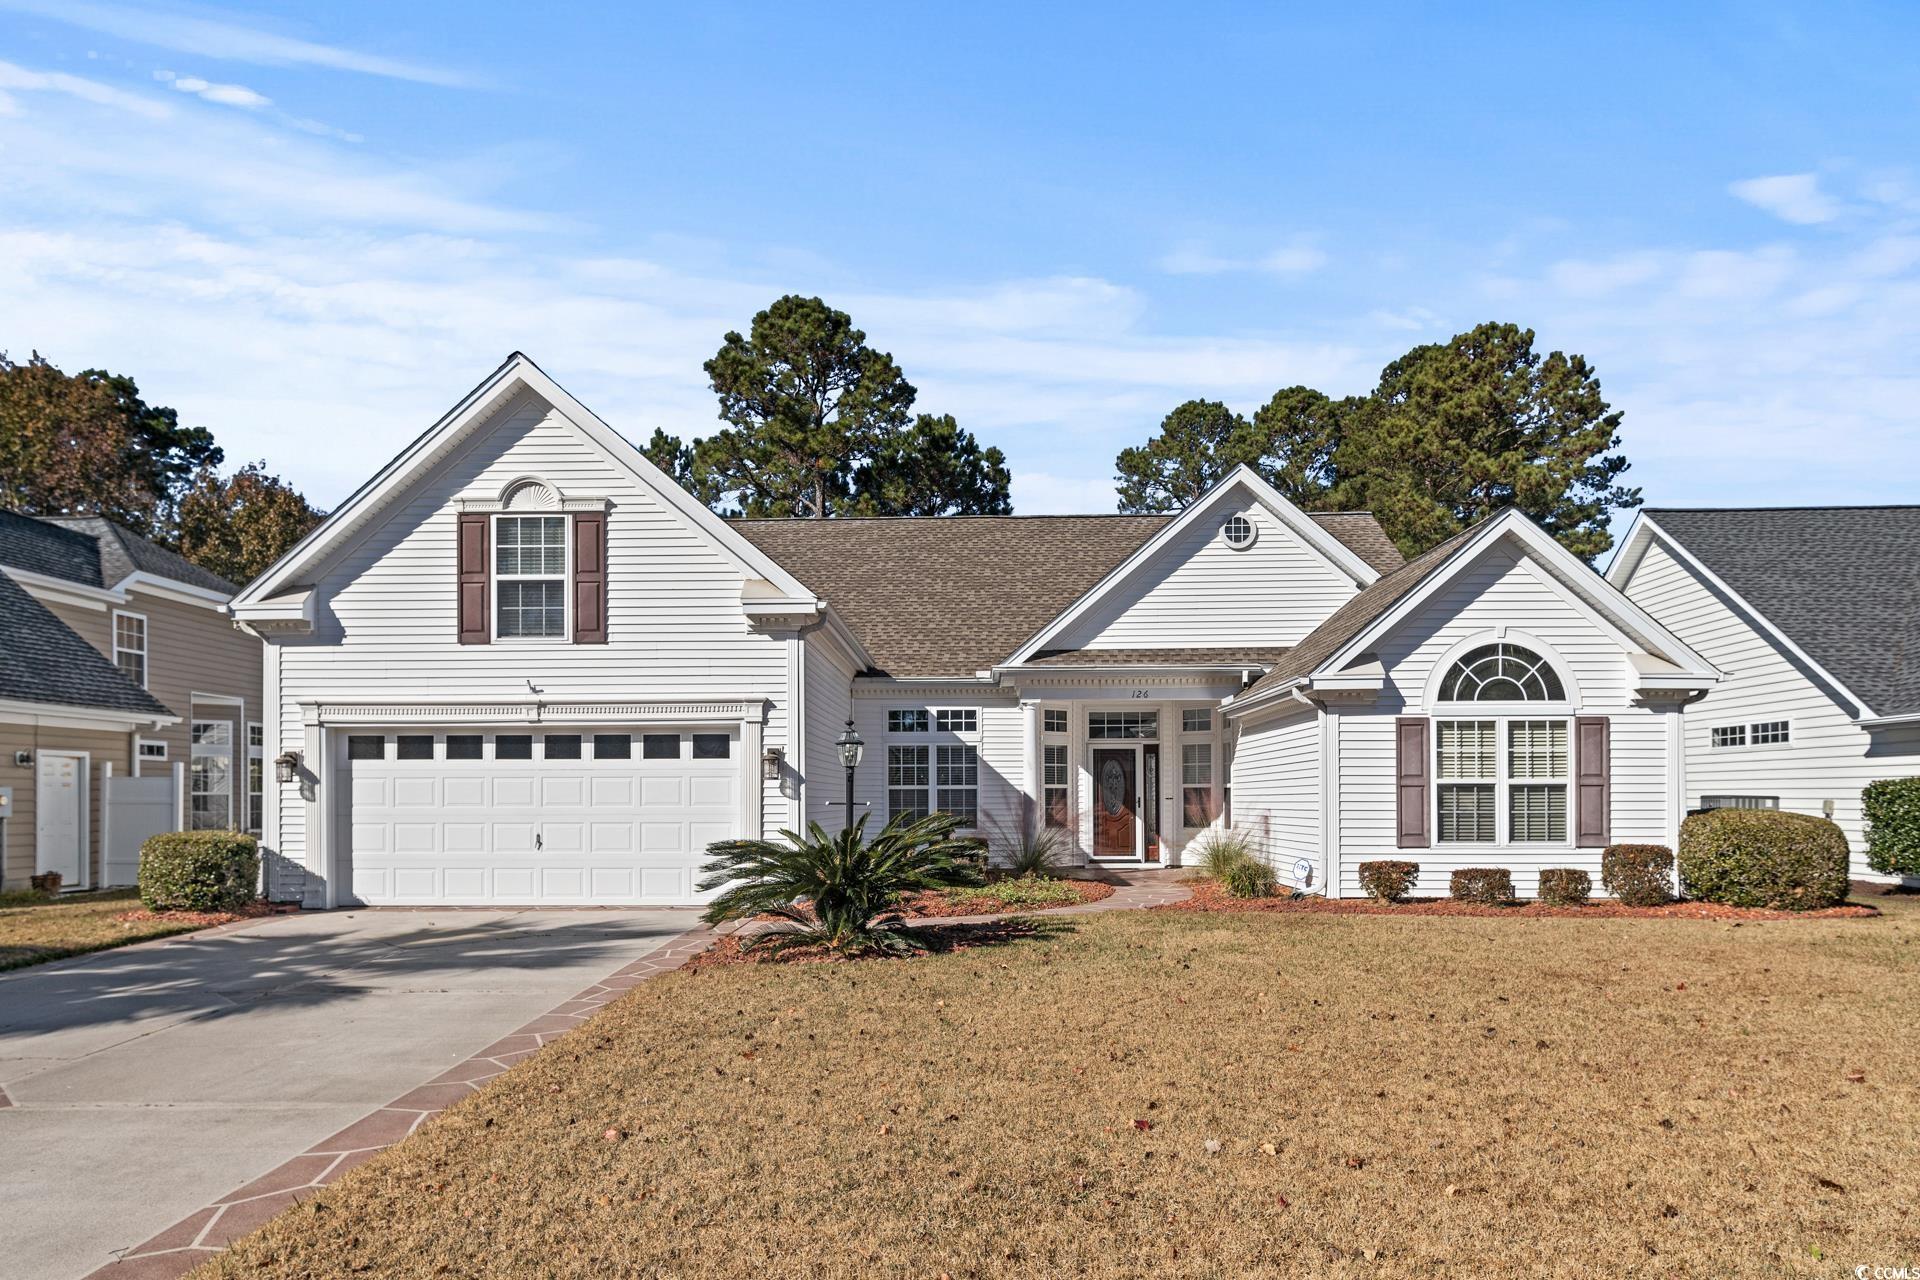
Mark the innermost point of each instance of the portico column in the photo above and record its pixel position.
(1032, 784)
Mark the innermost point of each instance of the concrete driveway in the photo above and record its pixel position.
(148, 1082)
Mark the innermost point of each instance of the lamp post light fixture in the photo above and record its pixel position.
(851, 748)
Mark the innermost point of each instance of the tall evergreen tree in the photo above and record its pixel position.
(1198, 444)
(666, 452)
(933, 468)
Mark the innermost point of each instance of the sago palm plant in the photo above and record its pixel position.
(838, 890)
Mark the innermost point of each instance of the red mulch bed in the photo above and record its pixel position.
(931, 940)
(252, 911)
(934, 904)
(1209, 896)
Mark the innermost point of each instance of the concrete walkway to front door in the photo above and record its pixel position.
(139, 1085)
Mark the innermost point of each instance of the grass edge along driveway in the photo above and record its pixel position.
(34, 930)
(1181, 1094)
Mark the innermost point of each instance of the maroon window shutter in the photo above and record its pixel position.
(590, 577)
(472, 571)
(1413, 768)
(1593, 779)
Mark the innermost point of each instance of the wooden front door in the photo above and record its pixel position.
(1115, 796)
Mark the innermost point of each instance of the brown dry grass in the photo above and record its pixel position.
(35, 931)
(1391, 1097)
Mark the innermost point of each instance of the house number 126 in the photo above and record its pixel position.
(1143, 693)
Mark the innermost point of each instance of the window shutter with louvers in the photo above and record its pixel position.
(590, 577)
(471, 574)
(1414, 771)
(1593, 776)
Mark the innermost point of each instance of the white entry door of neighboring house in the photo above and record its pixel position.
(210, 776)
(620, 817)
(60, 815)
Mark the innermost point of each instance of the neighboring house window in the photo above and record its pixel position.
(1730, 735)
(907, 776)
(907, 720)
(1740, 802)
(256, 774)
(1123, 724)
(1196, 784)
(210, 776)
(1053, 721)
(530, 577)
(956, 721)
(1502, 673)
(1056, 776)
(152, 750)
(1196, 720)
(957, 783)
(130, 646)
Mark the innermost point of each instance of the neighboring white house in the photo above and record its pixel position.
(521, 665)
(1813, 616)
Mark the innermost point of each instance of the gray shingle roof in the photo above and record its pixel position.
(42, 660)
(1193, 657)
(123, 551)
(43, 548)
(953, 595)
(1842, 582)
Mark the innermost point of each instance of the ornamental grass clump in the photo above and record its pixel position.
(1565, 887)
(838, 890)
(1038, 856)
(1763, 858)
(1490, 886)
(1250, 878)
(1219, 852)
(198, 871)
(1388, 879)
(1638, 875)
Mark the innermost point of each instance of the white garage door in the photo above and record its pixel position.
(541, 816)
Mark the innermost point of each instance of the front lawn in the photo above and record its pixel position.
(1183, 1094)
(34, 929)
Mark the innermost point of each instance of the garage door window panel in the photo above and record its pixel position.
(612, 746)
(660, 746)
(712, 746)
(562, 746)
(413, 746)
(464, 746)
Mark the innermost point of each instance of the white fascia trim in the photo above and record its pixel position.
(516, 373)
(172, 589)
(1297, 521)
(834, 625)
(1641, 536)
(293, 610)
(44, 587)
(1889, 722)
(1138, 668)
(61, 715)
(527, 711)
(1240, 705)
(1608, 600)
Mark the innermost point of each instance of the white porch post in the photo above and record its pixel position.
(751, 795)
(1676, 774)
(1033, 784)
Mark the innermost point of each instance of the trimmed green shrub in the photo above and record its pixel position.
(1763, 858)
(1219, 852)
(1491, 885)
(1638, 875)
(1892, 808)
(1565, 887)
(1250, 878)
(1388, 879)
(198, 871)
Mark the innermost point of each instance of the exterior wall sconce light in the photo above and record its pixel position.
(286, 767)
(770, 761)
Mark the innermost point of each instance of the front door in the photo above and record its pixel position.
(59, 815)
(1115, 793)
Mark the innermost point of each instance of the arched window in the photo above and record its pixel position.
(1502, 673)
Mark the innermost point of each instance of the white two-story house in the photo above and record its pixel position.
(520, 665)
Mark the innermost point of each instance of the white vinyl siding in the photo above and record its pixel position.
(1827, 758)
(1199, 592)
(1503, 588)
(1276, 793)
(829, 701)
(387, 615)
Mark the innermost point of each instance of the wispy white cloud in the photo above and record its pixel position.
(1195, 258)
(1791, 197)
(229, 39)
(227, 95)
(91, 91)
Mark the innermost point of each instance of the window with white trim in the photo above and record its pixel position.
(961, 721)
(256, 773)
(1056, 776)
(1769, 733)
(1196, 720)
(907, 777)
(1123, 724)
(130, 646)
(1054, 720)
(1196, 785)
(1740, 802)
(530, 577)
(1502, 673)
(907, 720)
(1476, 761)
(1729, 735)
(956, 789)
(152, 750)
(1761, 733)
(210, 776)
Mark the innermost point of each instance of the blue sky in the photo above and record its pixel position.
(312, 228)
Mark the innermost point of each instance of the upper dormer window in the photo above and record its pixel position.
(1502, 673)
(530, 577)
(1237, 532)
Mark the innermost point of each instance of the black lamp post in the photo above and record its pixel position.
(851, 749)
